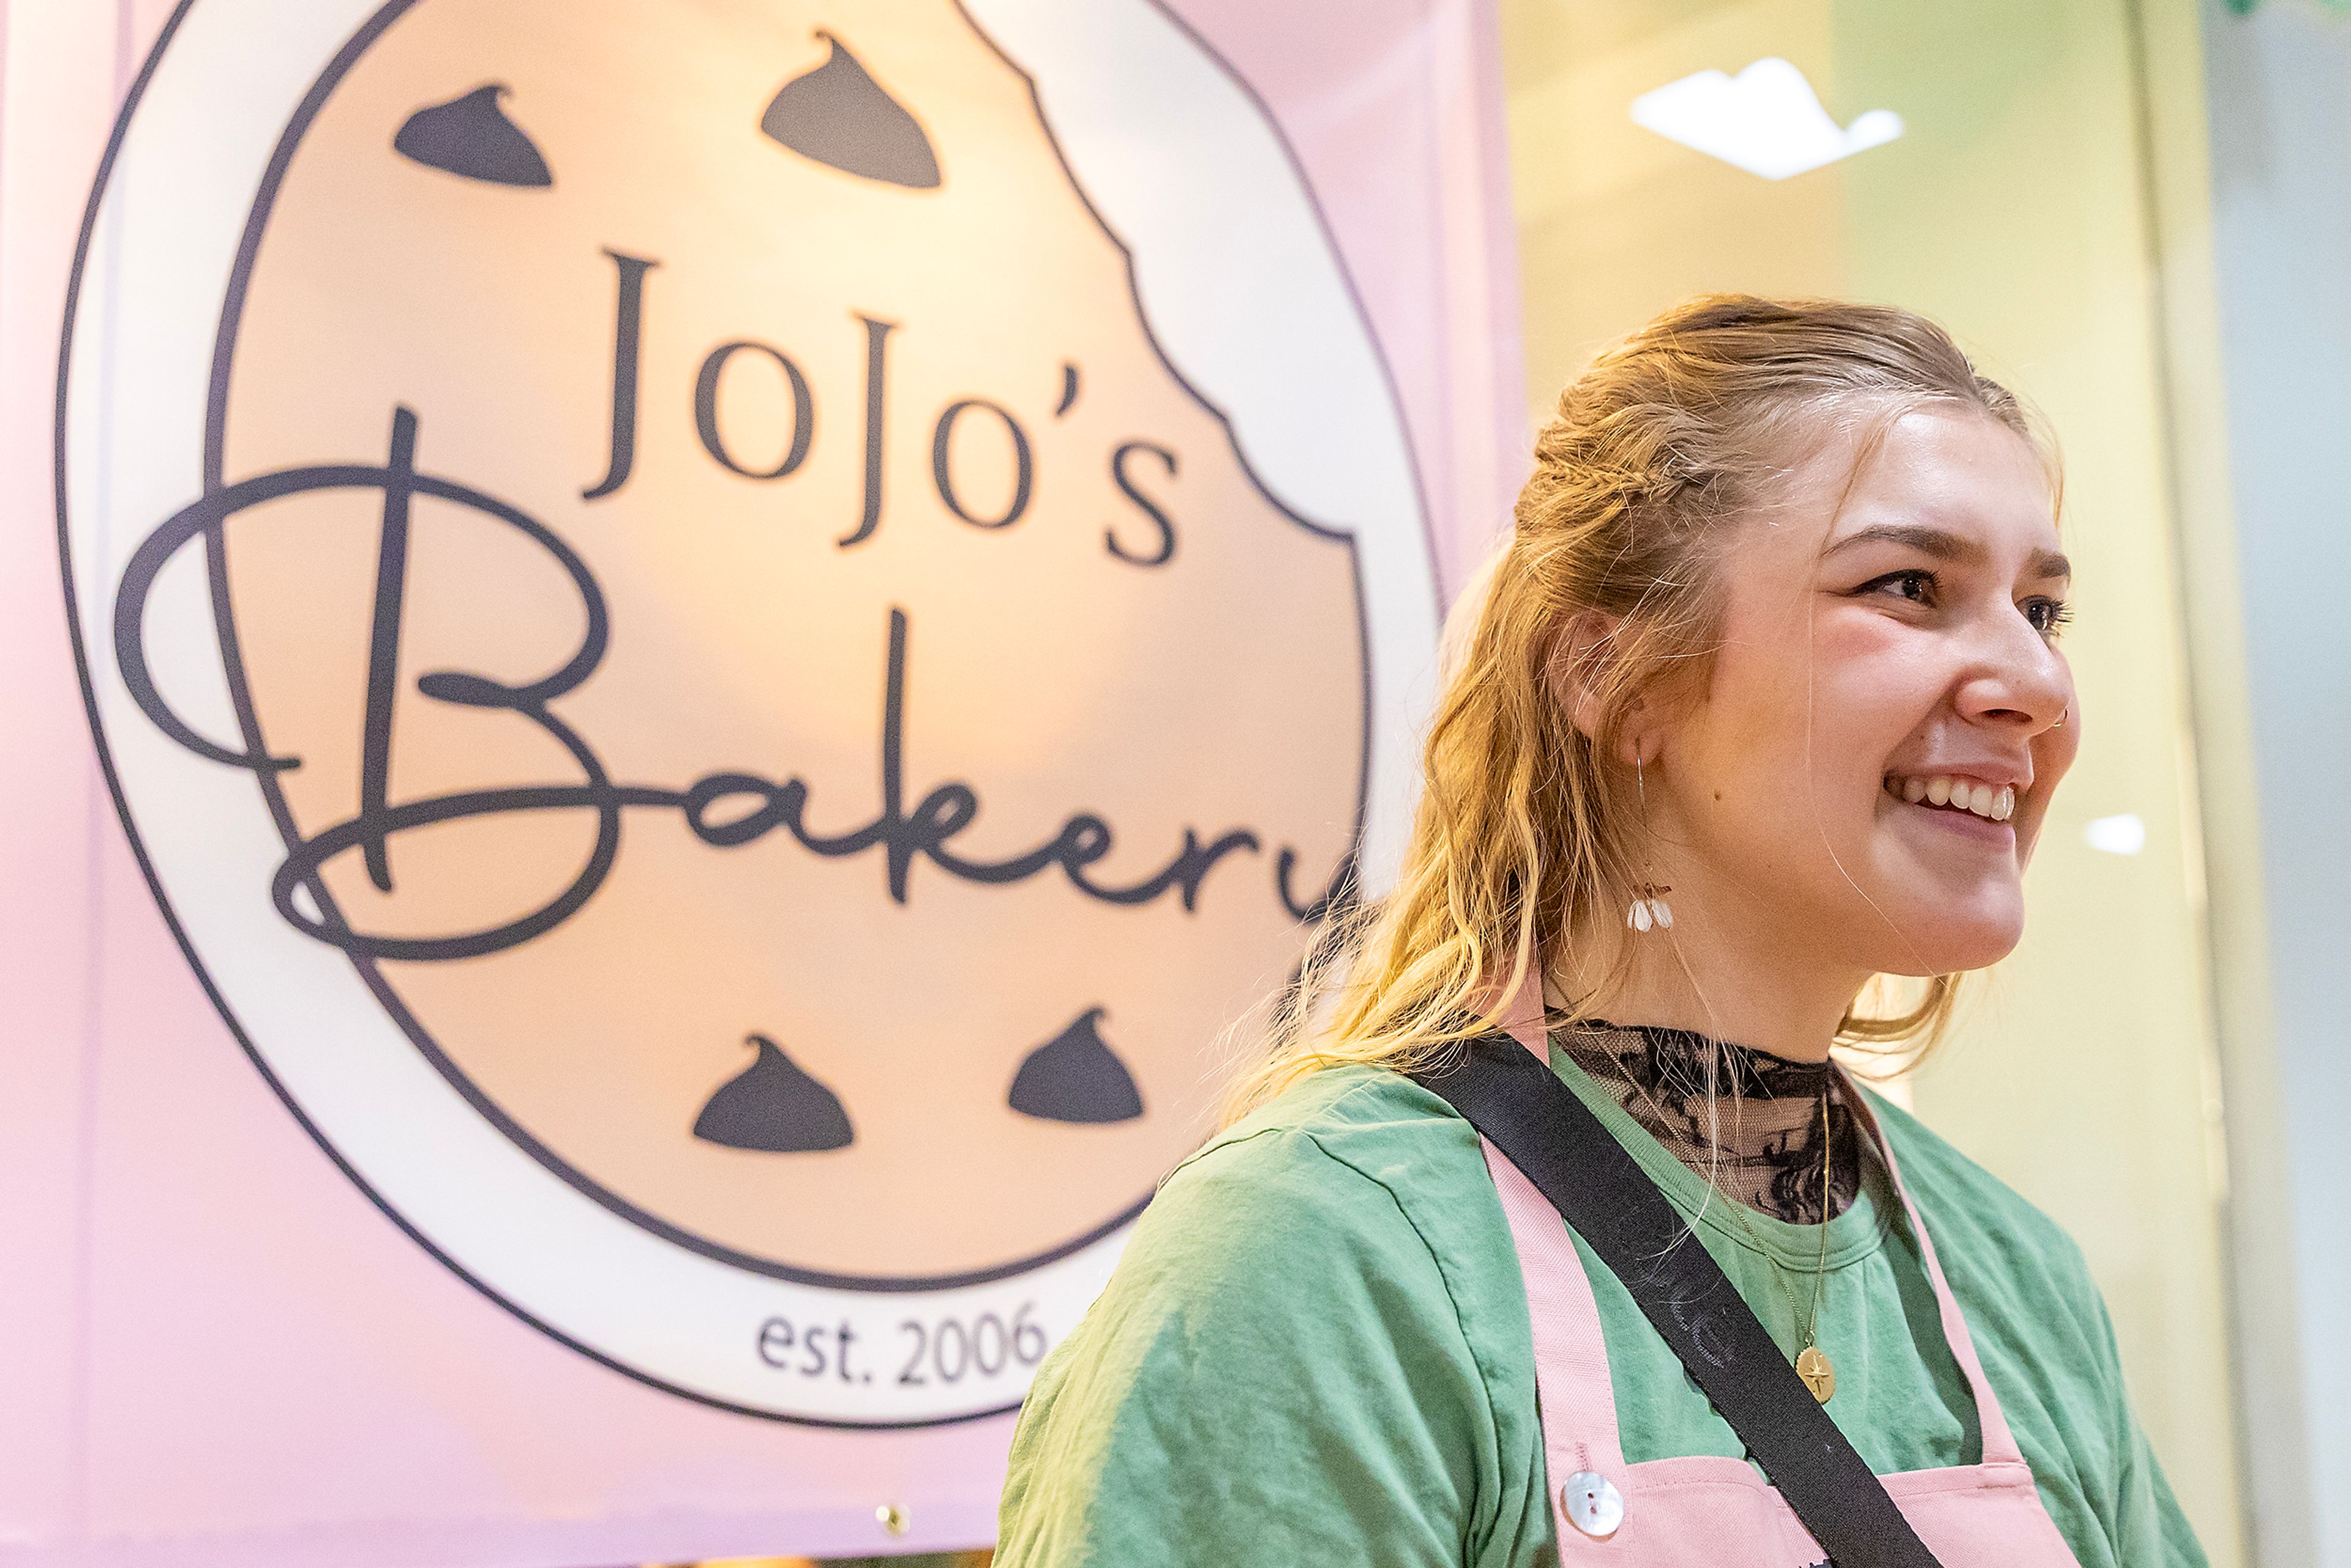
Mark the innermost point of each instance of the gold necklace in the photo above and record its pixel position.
(1812, 1363)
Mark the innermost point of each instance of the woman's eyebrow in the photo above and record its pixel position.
(2048, 566)
(1941, 544)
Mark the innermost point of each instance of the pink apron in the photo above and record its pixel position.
(1717, 1513)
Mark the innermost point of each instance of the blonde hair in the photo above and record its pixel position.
(1673, 437)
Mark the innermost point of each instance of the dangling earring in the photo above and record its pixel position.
(1649, 907)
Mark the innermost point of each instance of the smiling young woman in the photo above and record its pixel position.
(1764, 701)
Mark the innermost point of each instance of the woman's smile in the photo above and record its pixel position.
(1974, 810)
(1993, 802)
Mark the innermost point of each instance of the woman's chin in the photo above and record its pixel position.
(1942, 941)
(1925, 920)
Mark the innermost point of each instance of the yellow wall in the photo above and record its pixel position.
(2015, 211)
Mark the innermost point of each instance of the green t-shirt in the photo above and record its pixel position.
(1316, 1350)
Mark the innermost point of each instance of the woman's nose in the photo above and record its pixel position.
(2017, 677)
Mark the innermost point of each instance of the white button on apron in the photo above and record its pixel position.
(1593, 1504)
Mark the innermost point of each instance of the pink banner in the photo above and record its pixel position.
(669, 669)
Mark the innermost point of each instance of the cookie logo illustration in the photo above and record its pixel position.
(732, 633)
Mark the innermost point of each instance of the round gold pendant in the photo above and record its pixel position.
(1818, 1375)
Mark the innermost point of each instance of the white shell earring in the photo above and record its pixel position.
(1649, 911)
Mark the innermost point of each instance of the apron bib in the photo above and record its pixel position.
(1710, 1511)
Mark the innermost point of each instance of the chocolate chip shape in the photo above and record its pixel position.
(774, 1107)
(840, 116)
(1074, 1077)
(471, 137)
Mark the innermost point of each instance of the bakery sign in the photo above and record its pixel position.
(732, 634)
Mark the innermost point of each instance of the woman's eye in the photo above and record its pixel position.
(2046, 615)
(1915, 585)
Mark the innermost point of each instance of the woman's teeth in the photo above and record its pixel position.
(1994, 804)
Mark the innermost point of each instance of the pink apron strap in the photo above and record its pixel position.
(1577, 1400)
(1998, 1442)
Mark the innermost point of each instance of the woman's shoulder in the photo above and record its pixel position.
(1369, 1118)
(1988, 1235)
(1356, 1206)
(1304, 1242)
(2040, 1325)
(1347, 1158)
(1297, 1292)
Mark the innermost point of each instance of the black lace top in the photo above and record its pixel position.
(1756, 1137)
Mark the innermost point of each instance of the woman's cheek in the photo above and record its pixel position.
(1888, 675)
(2054, 751)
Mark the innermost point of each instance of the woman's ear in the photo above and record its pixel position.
(1582, 663)
(1642, 734)
(1580, 658)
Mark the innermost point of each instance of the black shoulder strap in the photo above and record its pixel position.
(1554, 1137)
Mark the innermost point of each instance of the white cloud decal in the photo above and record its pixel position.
(1767, 120)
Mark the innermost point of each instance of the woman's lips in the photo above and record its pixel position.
(1954, 820)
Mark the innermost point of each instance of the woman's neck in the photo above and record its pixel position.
(1743, 991)
(1747, 1122)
